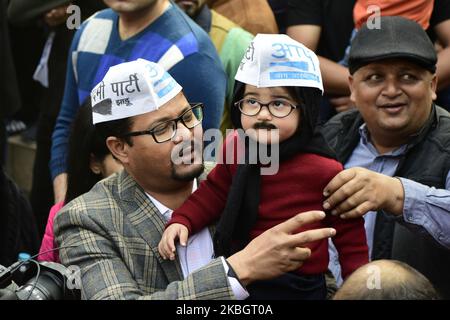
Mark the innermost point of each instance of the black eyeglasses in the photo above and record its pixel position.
(277, 108)
(166, 130)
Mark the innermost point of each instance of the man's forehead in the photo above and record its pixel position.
(173, 107)
(169, 110)
(393, 64)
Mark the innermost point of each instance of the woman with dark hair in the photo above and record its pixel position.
(89, 161)
(276, 104)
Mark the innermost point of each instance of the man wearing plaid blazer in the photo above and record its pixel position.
(112, 232)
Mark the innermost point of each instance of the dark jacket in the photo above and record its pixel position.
(9, 91)
(426, 161)
(18, 232)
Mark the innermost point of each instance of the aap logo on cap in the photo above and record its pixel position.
(278, 60)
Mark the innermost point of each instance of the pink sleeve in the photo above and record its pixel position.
(46, 252)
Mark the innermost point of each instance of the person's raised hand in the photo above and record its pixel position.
(342, 104)
(56, 16)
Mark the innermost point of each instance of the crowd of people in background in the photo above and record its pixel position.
(358, 91)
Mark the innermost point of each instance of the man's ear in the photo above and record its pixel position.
(350, 85)
(119, 149)
(433, 88)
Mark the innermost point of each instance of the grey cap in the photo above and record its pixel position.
(398, 37)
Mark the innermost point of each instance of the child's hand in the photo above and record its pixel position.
(166, 246)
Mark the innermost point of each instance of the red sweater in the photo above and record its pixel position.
(297, 187)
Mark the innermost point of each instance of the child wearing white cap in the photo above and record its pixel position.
(278, 90)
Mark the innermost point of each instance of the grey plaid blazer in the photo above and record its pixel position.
(112, 233)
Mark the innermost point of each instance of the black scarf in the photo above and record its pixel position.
(241, 209)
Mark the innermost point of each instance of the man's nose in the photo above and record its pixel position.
(391, 88)
(182, 133)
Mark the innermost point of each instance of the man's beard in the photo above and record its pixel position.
(196, 168)
(189, 175)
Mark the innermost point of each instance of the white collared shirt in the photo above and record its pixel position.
(199, 250)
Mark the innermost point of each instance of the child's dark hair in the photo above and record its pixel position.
(84, 143)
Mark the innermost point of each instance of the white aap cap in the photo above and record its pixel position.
(130, 89)
(276, 60)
